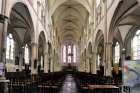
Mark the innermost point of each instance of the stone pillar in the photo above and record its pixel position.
(85, 63)
(1, 41)
(3, 36)
(53, 61)
(34, 61)
(90, 65)
(3, 30)
(21, 56)
(108, 59)
(94, 63)
(56, 63)
(81, 64)
(46, 61)
(107, 50)
(123, 51)
(90, 62)
(49, 63)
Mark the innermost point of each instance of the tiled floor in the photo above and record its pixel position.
(69, 85)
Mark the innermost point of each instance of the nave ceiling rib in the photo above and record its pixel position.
(69, 18)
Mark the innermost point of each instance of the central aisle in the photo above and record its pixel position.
(69, 85)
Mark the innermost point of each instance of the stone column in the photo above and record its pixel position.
(57, 64)
(85, 63)
(3, 30)
(21, 56)
(1, 41)
(94, 63)
(34, 48)
(81, 64)
(107, 50)
(90, 62)
(123, 51)
(90, 65)
(108, 59)
(53, 61)
(49, 63)
(46, 61)
(3, 36)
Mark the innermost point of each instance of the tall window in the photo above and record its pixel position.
(26, 54)
(98, 60)
(136, 46)
(74, 54)
(64, 53)
(41, 61)
(69, 53)
(117, 53)
(10, 47)
(69, 49)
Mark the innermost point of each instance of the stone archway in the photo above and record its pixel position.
(120, 25)
(22, 30)
(116, 41)
(99, 52)
(42, 52)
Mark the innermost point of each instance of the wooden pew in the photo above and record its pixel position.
(50, 82)
(93, 83)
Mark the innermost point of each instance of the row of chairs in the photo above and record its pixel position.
(50, 82)
(93, 83)
(20, 82)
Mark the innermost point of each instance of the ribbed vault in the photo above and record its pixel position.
(69, 17)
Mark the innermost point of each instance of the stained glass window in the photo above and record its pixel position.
(117, 53)
(74, 54)
(64, 54)
(10, 48)
(26, 54)
(136, 46)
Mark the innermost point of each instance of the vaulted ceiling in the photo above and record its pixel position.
(70, 17)
(20, 23)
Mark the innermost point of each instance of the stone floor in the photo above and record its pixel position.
(69, 85)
